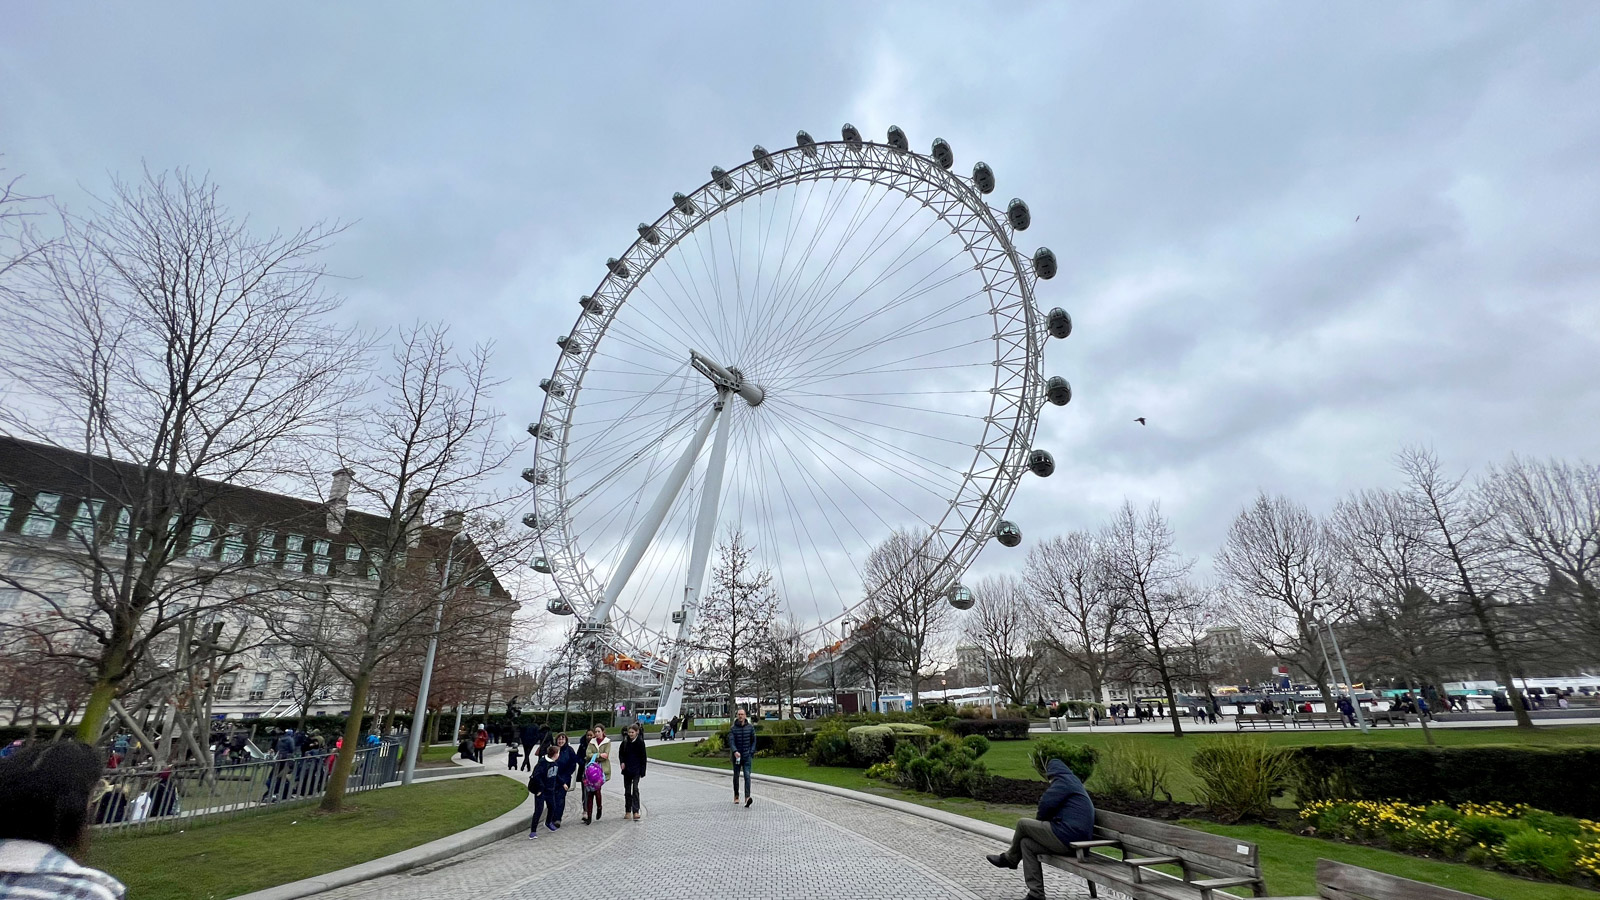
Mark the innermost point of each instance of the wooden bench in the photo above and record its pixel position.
(1319, 720)
(1253, 721)
(1208, 862)
(1386, 717)
(1342, 881)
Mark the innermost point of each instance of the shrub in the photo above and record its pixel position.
(830, 746)
(1240, 776)
(1080, 758)
(949, 768)
(782, 726)
(711, 745)
(1538, 776)
(872, 743)
(977, 743)
(993, 729)
(784, 744)
(887, 770)
(1126, 772)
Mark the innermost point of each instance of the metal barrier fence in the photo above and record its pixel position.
(156, 801)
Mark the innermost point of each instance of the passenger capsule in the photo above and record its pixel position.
(558, 607)
(591, 305)
(807, 144)
(897, 139)
(679, 616)
(1041, 463)
(1058, 390)
(1017, 214)
(530, 475)
(649, 233)
(569, 344)
(540, 564)
(942, 154)
(531, 520)
(852, 137)
(618, 267)
(552, 386)
(960, 596)
(983, 177)
(720, 178)
(539, 430)
(1044, 263)
(684, 204)
(762, 157)
(1007, 533)
(1059, 323)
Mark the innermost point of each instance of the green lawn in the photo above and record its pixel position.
(1289, 862)
(247, 854)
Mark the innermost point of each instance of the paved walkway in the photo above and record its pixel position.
(694, 843)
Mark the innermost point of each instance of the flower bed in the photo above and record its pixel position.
(1515, 838)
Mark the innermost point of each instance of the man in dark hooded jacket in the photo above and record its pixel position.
(1066, 814)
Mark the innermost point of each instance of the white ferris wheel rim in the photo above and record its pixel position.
(1000, 454)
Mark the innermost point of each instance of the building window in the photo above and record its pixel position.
(266, 554)
(7, 501)
(225, 685)
(119, 534)
(321, 548)
(233, 546)
(41, 521)
(483, 589)
(352, 553)
(294, 557)
(200, 539)
(319, 565)
(86, 522)
(259, 685)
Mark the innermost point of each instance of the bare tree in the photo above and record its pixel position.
(1066, 579)
(1547, 513)
(871, 656)
(1143, 568)
(899, 579)
(737, 615)
(1003, 626)
(1462, 557)
(1277, 567)
(163, 335)
(784, 655)
(422, 454)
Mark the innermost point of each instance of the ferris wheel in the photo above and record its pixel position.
(850, 327)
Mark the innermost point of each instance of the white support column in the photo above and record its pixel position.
(646, 531)
(705, 530)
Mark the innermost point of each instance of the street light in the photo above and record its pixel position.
(1316, 609)
(421, 712)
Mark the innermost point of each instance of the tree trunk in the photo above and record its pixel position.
(1172, 703)
(94, 711)
(333, 799)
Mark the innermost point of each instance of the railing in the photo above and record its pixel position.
(148, 800)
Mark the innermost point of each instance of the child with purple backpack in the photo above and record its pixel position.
(594, 774)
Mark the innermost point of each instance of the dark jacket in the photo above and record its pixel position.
(630, 754)
(569, 765)
(546, 778)
(742, 740)
(1066, 805)
(530, 735)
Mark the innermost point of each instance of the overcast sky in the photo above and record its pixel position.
(1198, 169)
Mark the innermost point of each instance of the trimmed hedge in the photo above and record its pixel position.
(784, 744)
(993, 729)
(1560, 780)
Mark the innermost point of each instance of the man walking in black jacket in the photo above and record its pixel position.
(742, 740)
(1066, 814)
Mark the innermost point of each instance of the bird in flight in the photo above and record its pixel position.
(1140, 420)
(1358, 218)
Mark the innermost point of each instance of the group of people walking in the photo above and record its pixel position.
(556, 766)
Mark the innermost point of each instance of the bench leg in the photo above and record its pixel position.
(1092, 893)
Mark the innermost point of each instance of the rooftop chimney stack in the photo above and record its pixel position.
(414, 503)
(339, 500)
(453, 520)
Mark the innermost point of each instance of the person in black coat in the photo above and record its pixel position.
(1065, 814)
(632, 759)
(567, 767)
(543, 784)
(530, 740)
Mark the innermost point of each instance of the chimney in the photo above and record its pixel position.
(453, 520)
(339, 499)
(414, 517)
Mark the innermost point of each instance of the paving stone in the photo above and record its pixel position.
(695, 843)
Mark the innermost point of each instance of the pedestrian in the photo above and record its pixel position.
(595, 774)
(530, 740)
(567, 761)
(631, 757)
(1065, 814)
(163, 799)
(46, 790)
(479, 742)
(511, 757)
(543, 785)
(742, 740)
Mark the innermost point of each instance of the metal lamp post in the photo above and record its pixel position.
(421, 711)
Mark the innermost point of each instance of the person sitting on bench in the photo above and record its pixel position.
(1066, 814)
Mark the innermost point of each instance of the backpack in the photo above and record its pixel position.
(594, 776)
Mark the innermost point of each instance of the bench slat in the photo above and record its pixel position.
(1153, 861)
(1336, 879)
